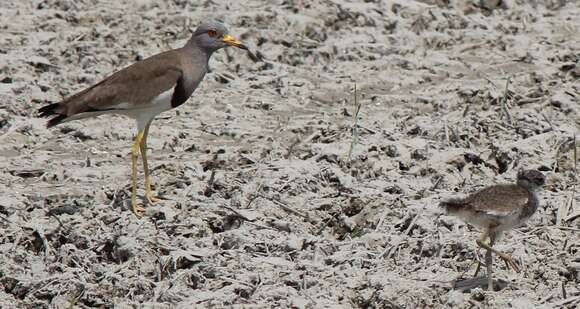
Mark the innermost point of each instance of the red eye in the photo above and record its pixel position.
(212, 33)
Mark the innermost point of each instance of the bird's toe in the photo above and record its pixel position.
(510, 262)
(151, 198)
(138, 211)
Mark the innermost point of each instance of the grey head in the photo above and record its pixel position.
(531, 179)
(213, 35)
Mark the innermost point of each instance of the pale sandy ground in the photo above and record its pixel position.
(288, 220)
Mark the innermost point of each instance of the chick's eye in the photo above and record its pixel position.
(212, 33)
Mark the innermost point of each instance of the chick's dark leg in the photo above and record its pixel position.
(489, 263)
(510, 262)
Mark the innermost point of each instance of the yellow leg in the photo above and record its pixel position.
(143, 146)
(137, 210)
(509, 261)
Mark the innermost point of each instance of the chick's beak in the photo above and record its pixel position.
(229, 40)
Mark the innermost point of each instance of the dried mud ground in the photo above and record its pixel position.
(262, 206)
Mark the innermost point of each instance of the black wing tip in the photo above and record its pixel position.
(451, 205)
(444, 205)
(55, 121)
(49, 111)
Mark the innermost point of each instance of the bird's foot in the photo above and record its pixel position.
(138, 210)
(510, 262)
(151, 198)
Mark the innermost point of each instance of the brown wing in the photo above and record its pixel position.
(132, 87)
(498, 200)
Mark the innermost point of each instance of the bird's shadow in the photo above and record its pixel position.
(466, 285)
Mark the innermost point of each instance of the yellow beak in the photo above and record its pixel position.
(228, 39)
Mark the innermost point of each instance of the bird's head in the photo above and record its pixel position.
(213, 35)
(531, 179)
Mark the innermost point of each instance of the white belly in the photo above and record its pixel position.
(146, 114)
(143, 114)
(484, 221)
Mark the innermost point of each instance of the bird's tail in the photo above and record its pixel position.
(451, 205)
(50, 111)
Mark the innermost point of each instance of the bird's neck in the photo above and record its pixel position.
(200, 54)
(533, 203)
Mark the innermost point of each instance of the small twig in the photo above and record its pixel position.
(573, 217)
(565, 244)
(562, 215)
(58, 220)
(114, 199)
(5, 219)
(291, 148)
(209, 189)
(355, 124)
(504, 106)
(410, 227)
(236, 281)
(446, 132)
(311, 137)
(557, 156)
(575, 157)
(157, 254)
(254, 195)
(528, 101)
(284, 206)
(322, 226)
(73, 298)
(261, 226)
(565, 228)
(173, 226)
(369, 130)
(381, 221)
(547, 298)
(390, 251)
(476, 259)
(39, 230)
(49, 281)
(239, 215)
(562, 211)
(564, 294)
(171, 283)
(436, 184)
(465, 111)
(289, 209)
(395, 248)
(387, 249)
(566, 301)
(546, 119)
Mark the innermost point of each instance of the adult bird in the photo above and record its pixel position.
(496, 209)
(145, 89)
